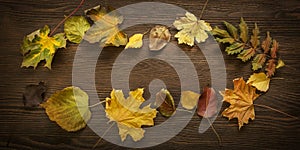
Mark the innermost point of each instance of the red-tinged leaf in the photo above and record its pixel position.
(271, 67)
(255, 37)
(274, 49)
(265, 45)
(246, 54)
(207, 104)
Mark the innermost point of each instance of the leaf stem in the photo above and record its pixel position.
(202, 11)
(72, 13)
(97, 104)
(268, 107)
(215, 131)
(103, 135)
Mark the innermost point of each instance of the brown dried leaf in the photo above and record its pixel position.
(266, 43)
(271, 67)
(159, 37)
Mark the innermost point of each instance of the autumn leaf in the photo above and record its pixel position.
(38, 46)
(127, 113)
(165, 103)
(270, 67)
(258, 61)
(280, 64)
(232, 30)
(191, 29)
(75, 27)
(34, 94)
(255, 37)
(244, 31)
(68, 108)
(159, 37)
(189, 99)
(226, 38)
(260, 81)
(135, 41)
(241, 102)
(105, 29)
(207, 104)
(265, 45)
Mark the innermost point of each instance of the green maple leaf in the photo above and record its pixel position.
(38, 46)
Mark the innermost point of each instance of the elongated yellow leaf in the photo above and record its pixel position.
(260, 81)
(135, 41)
(68, 108)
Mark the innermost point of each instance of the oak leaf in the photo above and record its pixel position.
(241, 102)
(189, 99)
(68, 108)
(135, 41)
(260, 81)
(127, 113)
(165, 103)
(207, 104)
(38, 46)
(159, 37)
(75, 28)
(191, 29)
(105, 29)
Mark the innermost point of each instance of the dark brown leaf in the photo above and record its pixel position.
(274, 49)
(165, 103)
(271, 67)
(207, 104)
(34, 94)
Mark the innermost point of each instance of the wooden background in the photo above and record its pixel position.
(31, 129)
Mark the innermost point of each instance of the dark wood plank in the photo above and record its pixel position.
(31, 129)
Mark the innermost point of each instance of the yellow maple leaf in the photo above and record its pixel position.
(127, 113)
(260, 81)
(135, 41)
(241, 102)
(105, 31)
(190, 29)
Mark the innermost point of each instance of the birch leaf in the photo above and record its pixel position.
(165, 103)
(127, 113)
(159, 37)
(191, 29)
(75, 27)
(62, 108)
(189, 99)
(135, 41)
(38, 46)
(241, 102)
(260, 81)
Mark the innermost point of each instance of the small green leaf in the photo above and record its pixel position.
(246, 54)
(68, 108)
(165, 103)
(244, 31)
(235, 48)
(258, 61)
(255, 37)
(75, 27)
(232, 30)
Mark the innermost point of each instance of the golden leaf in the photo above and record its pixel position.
(105, 31)
(159, 37)
(241, 102)
(280, 64)
(127, 113)
(189, 99)
(260, 81)
(165, 103)
(62, 108)
(190, 29)
(135, 41)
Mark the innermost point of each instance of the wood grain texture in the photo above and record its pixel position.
(31, 129)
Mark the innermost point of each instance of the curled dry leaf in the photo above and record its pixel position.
(207, 104)
(127, 113)
(105, 31)
(191, 29)
(189, 99)
(38, 46)
(34, 94)
(241, 102)
(165, 103)
(260, 81)
(135, 41)
(75, 27)
(159, 37)
(68, 108)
